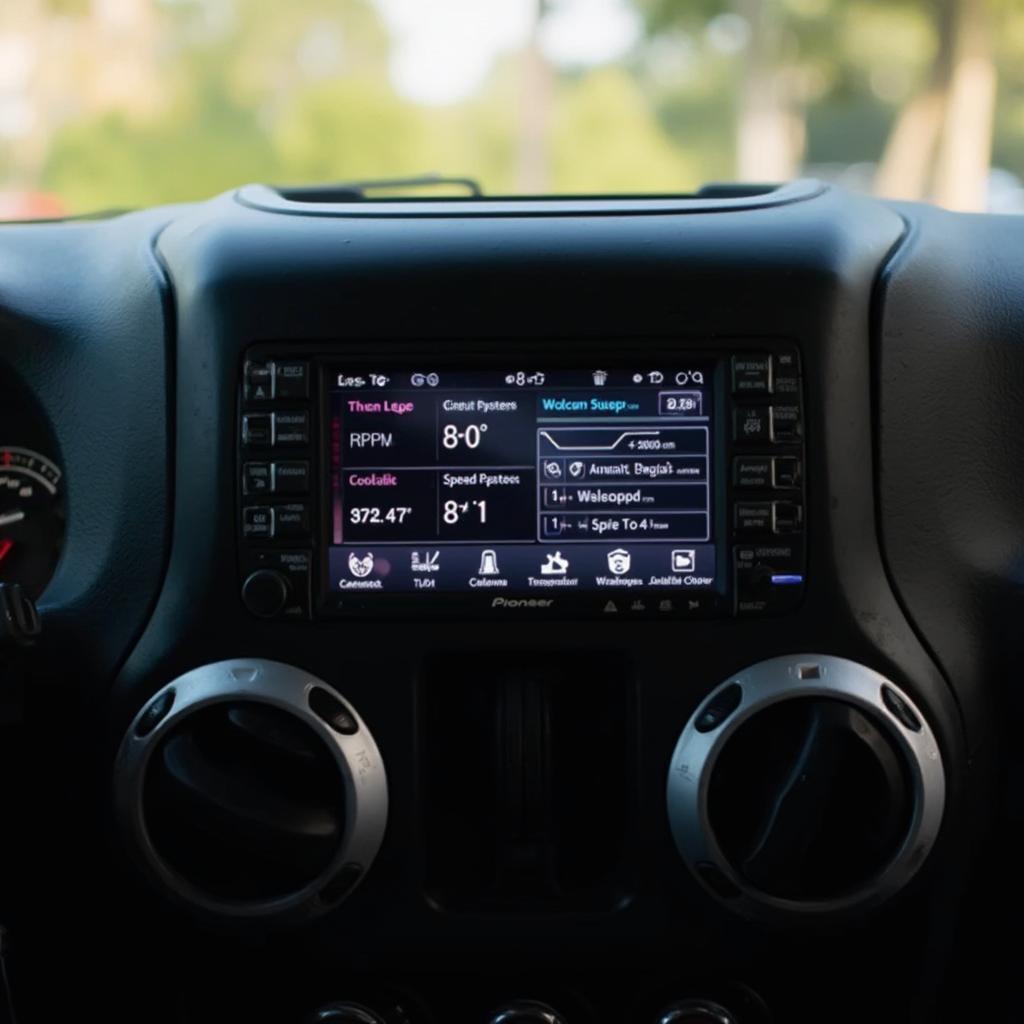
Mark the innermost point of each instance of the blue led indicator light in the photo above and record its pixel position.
(787, 579)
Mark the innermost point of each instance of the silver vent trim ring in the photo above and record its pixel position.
(761, 686)
(288, 689)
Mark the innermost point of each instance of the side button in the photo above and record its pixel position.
(257, 478)
(785, 423)
(258, 522)
(787, 472)
(259, 382)
(258, 429)
(751, 423)
(752, 374)
(787, 517)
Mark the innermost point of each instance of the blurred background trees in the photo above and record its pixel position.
(131, 102)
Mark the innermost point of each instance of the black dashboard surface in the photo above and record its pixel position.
(129, 335)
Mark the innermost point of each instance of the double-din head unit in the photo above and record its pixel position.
(614, 481)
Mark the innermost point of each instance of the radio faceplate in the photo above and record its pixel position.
(623, 481)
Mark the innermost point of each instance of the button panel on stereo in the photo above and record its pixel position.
(276, 438)
(767, 483)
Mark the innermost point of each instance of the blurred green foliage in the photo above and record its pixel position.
(300, 92)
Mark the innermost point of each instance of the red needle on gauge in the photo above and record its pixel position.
(5, 548)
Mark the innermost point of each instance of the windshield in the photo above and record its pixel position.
(127, 103)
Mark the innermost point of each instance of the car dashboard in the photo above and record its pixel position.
(571, 609)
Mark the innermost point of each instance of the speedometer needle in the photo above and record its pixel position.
(5, 548)
(12, 517)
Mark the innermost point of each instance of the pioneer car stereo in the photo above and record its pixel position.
(620, 482)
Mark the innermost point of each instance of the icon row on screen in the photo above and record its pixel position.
(554, 563)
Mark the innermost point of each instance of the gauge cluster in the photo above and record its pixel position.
(33, 512)
(32, 517)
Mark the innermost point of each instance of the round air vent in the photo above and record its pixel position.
(806, 784)
(251, 789)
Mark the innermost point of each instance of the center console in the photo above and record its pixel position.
(526, 649)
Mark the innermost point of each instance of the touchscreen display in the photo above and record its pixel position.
(533, 482)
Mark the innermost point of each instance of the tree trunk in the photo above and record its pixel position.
(533, 171)
(769, 134)
(940, 145)
(906, 165)
(965, 148)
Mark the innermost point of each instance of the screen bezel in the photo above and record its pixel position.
(542, 355)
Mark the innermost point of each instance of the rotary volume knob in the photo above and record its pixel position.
(265, 593)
